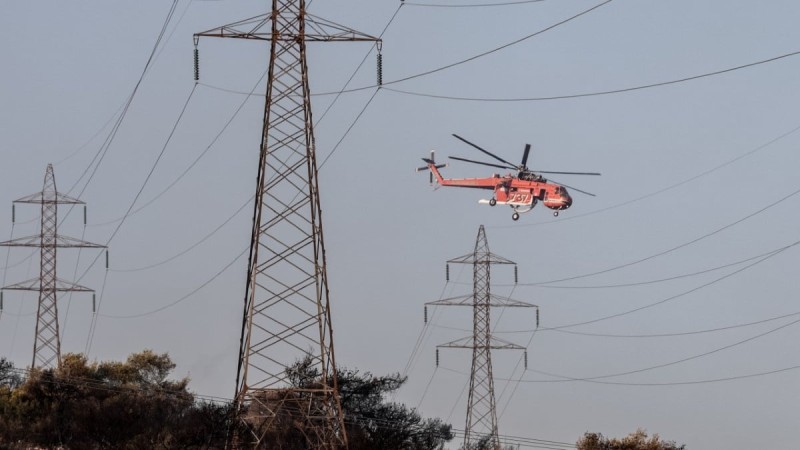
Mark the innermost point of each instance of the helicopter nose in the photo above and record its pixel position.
(567, 202)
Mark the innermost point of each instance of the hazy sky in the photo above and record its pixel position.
(697, 257)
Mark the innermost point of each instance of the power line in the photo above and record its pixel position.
(474, 5)
(224, 128)
(496, 49)
(354, 419)
(684, 333)
(335, 147)
(668, 383)
(526, 441)
(665, 189)
(133, 202)
(762, 259)
(196, 160)
(5, 272)
(672, 363)
(191, 247)
(89, 141)
(93, 323)
(642, 336)
(181, 299)
(103, 150)
(564, 378)
(677, 247)
(451, 65)
(123, 106)
(155, 163)
(690, 382)
(673, 297)
(427, 386)
(646, 282)
(230, 218)
(597, 93)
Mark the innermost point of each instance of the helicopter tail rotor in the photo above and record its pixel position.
(431, 163)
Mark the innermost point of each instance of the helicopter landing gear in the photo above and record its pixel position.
(492, 201)
(555, 213)
(515, 216)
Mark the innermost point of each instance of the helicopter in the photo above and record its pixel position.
(521, 189)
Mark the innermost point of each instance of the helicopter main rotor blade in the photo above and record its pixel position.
(566, 173)
(525, 155)
(573, 188)
(484, 150)
(482, 163)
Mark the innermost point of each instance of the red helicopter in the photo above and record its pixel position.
(521, 191)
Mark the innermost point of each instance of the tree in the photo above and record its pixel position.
(135, 405)
(9, 376)
(129, 404)
(635, 441)
(371, 421)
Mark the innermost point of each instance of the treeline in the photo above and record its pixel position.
(84, 405)
(637, 440)
(134, 405)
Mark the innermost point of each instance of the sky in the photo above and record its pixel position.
(667, 301)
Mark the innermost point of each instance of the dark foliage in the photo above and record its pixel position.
(130, 405)
(134, 405)
(371, 421)
(635, 441)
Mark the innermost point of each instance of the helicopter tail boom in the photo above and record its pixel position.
(434, 168)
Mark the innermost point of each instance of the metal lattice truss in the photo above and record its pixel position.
(47, 343)
(287, 308)
(481, 422)
(315, 29)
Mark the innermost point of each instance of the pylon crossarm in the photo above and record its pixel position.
(470, 258)
(466, 342)
(260, 28)
(496, 343)
(494, 300)
(469, 343)
(66, 241)
(49, 197)
(27, 241)
(61, 241)
(464, 300)
(331, 31)
(34, 284)
(497, 300)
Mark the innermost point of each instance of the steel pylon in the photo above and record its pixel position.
(47, 341)
(287, 314)
(481, 420)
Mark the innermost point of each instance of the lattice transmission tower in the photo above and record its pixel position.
(287, 308)
(481, 422)
(47, 342)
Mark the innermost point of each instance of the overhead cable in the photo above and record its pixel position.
(94, 164)
(670, 298)
(651, 281)
(181, 299)
(677, 247)
(451, 65)
(196, 160)
(472, 5)
(597, 93)
(671, 363)
(191, 247)
(641, 336)
(665, 189)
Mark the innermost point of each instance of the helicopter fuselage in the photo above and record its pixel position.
(521, 194)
